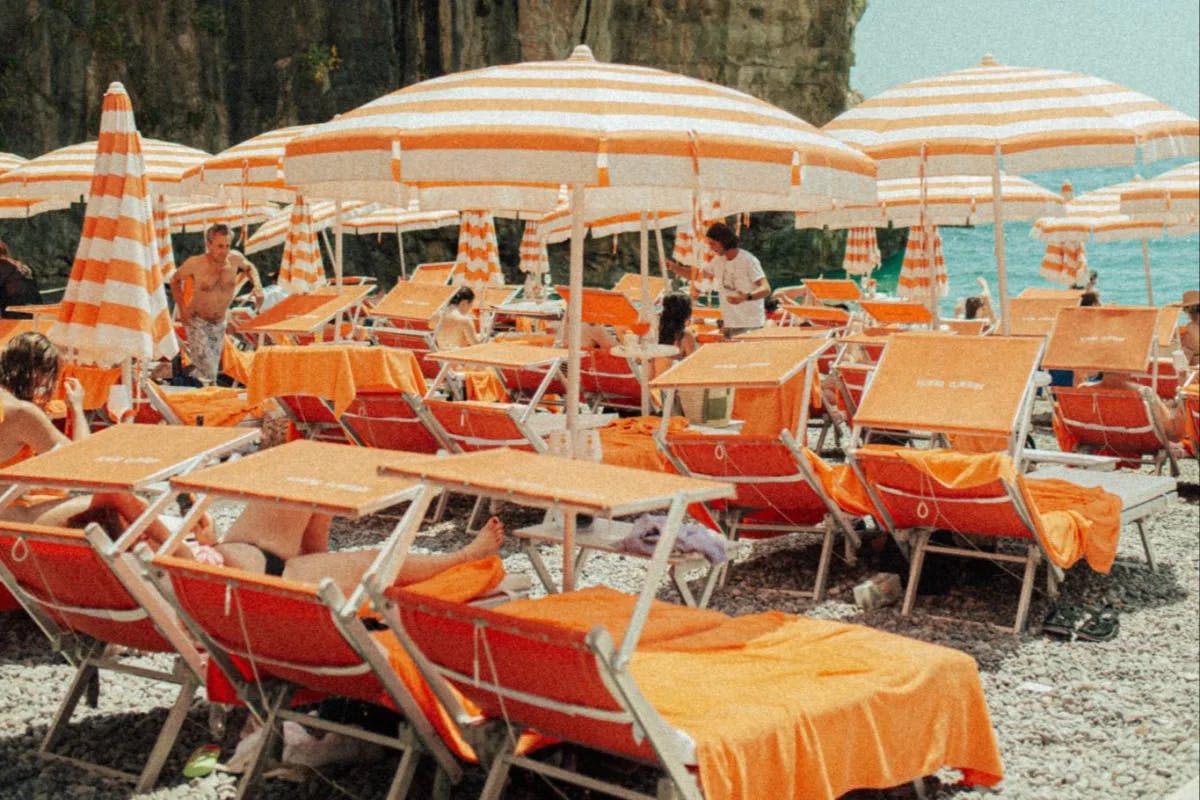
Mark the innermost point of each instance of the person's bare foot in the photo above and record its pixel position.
(487, 542)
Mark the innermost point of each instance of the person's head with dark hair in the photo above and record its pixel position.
(676, 311)
(464, 295)
(971, 306)
(770, 304)
(722, 236)
(29, 367)
(1089, 298)
(213, 231)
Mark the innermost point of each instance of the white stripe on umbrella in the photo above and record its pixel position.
(478, 258)
(253, 168)
(66, 173)
(919, 280)
(393, 219)
(862, 252)
(10, 161)
(1176, 191)
(534, 258)
(322, 214)
(24, 207)
(114, 307)
(1065, 262)
(191, 216)
(302, 269)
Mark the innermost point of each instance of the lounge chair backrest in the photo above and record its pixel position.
(59, 571)
(912, 499)
(543, 676)
(414, 305)
(420, 342)
(762, 469)
(437, 272)
(1115, 421)
(313, 416)
(828, 291)
(603, 307)
(1034, 315)
(388, 420)
(609, 380)
(273, 627)
(480, 426)
(1121, 338)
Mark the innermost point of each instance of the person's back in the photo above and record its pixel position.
(18, 287)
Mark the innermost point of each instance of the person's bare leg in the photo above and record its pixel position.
(280, 529)
(346, 567)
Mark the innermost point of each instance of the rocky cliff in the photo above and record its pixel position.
(210, 73)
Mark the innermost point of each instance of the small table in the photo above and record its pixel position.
(645, 353)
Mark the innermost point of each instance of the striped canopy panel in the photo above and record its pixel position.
(478, 254)
(922, 279)
(862, 252)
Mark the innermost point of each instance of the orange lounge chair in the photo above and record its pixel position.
(86, 591)
(897, 312)
(470, 425)
(630, 285)
(604, 307)
(407, 317)
(529, 371)
(390, 421)
(305, 318)
(274, 639)
(1191, 401)
(433, 272)
(1034, 315)
(836, 703)
(833, 291)
(610, 381)
(777, 491)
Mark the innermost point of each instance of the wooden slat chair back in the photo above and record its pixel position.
(64, 583)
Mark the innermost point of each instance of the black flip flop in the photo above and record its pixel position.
(1061, 622)
(1100, 625)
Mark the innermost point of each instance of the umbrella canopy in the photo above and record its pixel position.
(302, 269)
(1065, 263)
(1176, 191)
(478, 254)
(193, 216)
(862, 252)
(923, 273)
(949, 200)
(66, 173)
(322, 214)
(114, 307)
(507, 137)
(393, 219)
(254, 167)
(977, 121)
(534, 259)
(24, 207)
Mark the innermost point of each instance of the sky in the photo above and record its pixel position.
(1152, 46)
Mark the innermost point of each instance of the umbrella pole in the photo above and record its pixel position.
(998, 222)
(644, 268)
(662, 251)
(337, 241)
(1146, 267)
(400, 247)
(328, 247)
(574, 325)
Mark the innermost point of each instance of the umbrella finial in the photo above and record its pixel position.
(582, 53)
(988, 60)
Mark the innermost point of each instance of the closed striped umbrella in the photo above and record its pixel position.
(923, 273)
(990, 117)
(949, 200)
(691, 247)
(163, 252)
(1065, 262)
(862, 252)
(321, 215)
(1176, 191)
(302, 269)
(114, 307)
(478, 258)
(66, 173)
(534, 258)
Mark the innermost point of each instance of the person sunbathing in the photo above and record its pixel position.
(294, 544)
(1169, 418)
(457, 326)
(29, 367)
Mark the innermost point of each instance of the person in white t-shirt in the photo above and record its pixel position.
(741, 284)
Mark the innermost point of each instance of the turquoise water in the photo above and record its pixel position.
(1174, 263)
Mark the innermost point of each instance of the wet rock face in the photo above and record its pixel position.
(210, 73)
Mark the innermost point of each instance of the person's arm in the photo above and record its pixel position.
(249, 271)
(29, 425)
(178, 278)
(79, 423)
(760, 290)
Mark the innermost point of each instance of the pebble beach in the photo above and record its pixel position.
(1075, 720)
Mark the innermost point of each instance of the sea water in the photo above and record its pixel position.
(970, 252)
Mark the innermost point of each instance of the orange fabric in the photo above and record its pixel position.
(841, 482)
(220, 406)
(1070, 520)
(335, 372)
(236, 363)
(96, 382)
(484, 385)
(768, 411)
(804, 687)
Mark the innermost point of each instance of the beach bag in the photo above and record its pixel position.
(18, 287)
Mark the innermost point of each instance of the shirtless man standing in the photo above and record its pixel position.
(215, 277)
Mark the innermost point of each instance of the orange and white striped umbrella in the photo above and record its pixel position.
(478, 254)
(321, 214)
(302, 269)
(194, 216)
(1065, 262)
(10, 161)
(393, 219)
(507, 137)
(1176, 191)
(862, 252)
(923, 273)
(250, 170)
(691, 246)
(949, 200)
(1033, 118)
(534, 258)
(115, 307)
(66, 173)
